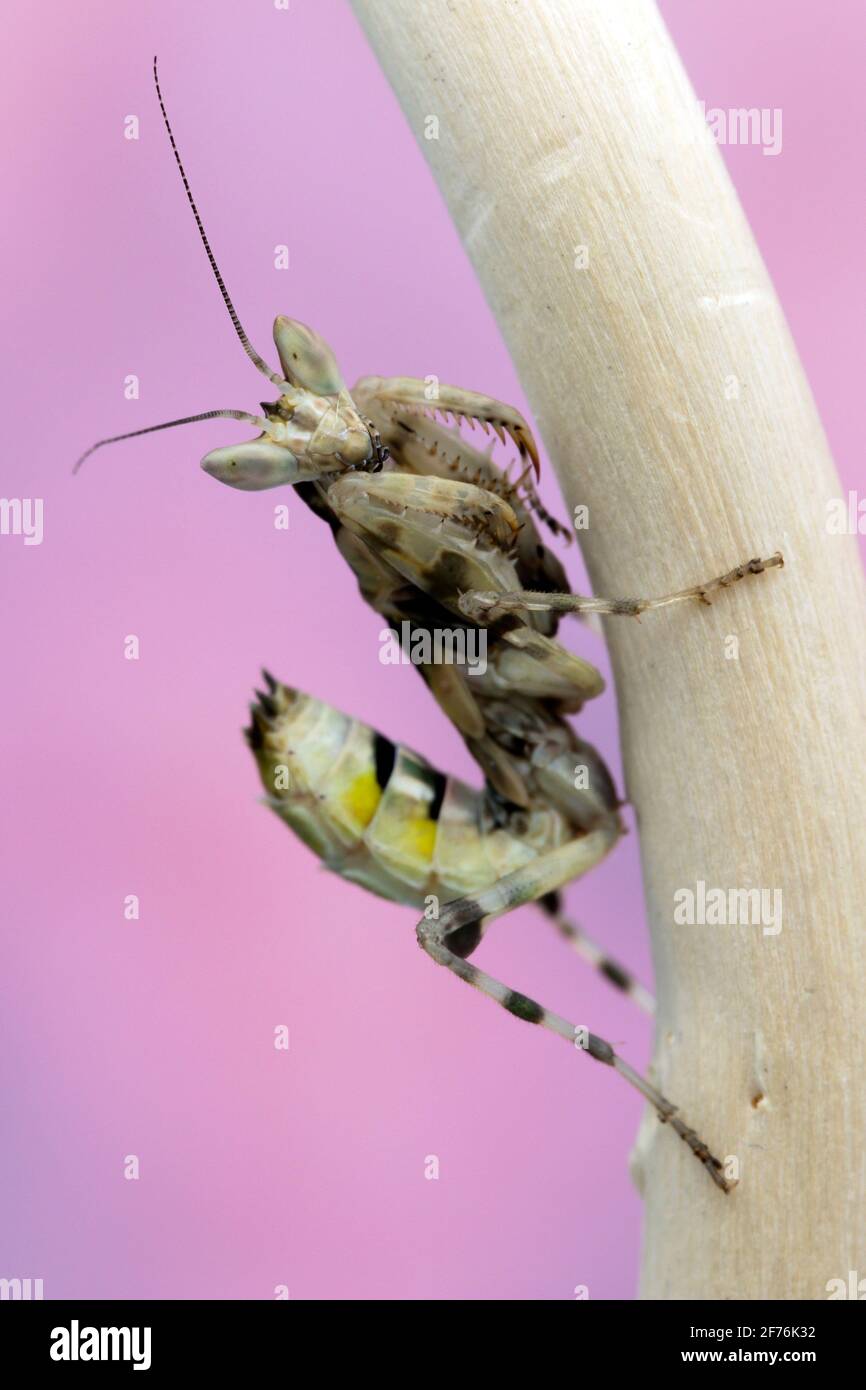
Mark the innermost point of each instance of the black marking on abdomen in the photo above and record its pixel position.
(440, 784)
(523, 1007)
(385, 754)
(551, 902)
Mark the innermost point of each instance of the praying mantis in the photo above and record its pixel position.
(440, 539)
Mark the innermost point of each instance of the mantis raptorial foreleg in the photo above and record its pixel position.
(398, 395)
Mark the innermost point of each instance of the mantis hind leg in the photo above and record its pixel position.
(592, 953)
(459, 926)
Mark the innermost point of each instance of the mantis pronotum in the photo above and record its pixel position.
(439, 538)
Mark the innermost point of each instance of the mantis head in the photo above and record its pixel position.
(311, 431)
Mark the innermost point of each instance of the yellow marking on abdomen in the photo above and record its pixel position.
(362, 796)
(417, 837)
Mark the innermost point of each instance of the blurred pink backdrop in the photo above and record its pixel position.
(303, 1168)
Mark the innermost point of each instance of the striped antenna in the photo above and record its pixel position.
(170, 424)
(248, 348)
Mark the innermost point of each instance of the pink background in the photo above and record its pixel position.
(155, 1037)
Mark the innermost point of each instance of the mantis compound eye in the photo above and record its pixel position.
(306, 359)
(255, 466)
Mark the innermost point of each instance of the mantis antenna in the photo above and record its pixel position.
(170, 424)
(254, 357)
(248, 348)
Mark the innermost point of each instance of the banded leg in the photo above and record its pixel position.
(540, 876)
(486, 607)
(587, 949)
